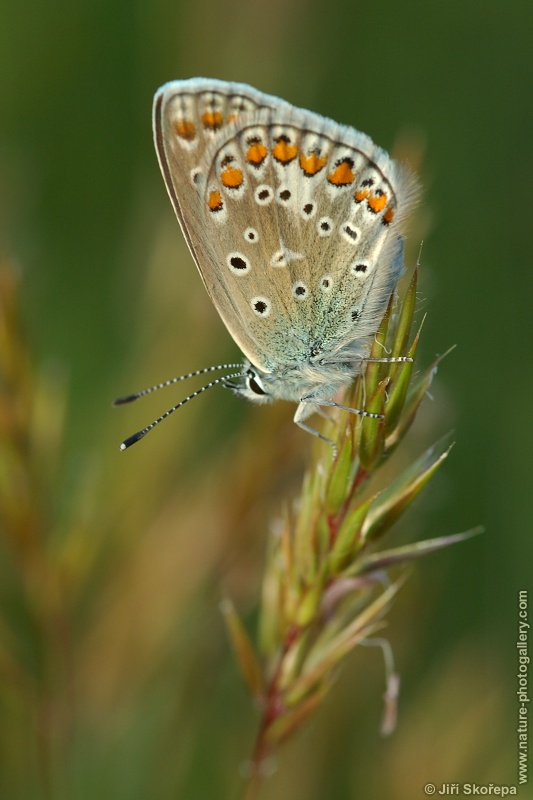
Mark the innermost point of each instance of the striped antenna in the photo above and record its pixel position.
(139, 435)
(120, 401)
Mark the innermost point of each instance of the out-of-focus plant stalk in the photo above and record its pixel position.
(34, 631)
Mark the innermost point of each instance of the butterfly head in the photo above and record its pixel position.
(252, 384)
(293, 382)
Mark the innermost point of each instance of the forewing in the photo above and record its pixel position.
(292, 219)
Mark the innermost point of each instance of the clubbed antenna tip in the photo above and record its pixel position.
(121, 401)
(133, 438)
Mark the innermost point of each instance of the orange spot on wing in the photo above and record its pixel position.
(231, 177)
(215, 201)
(256, 154)
(360, 195)
(284, 151)
(232, 117)
(184, 128)
(343, 174)
(212, 120)
(312, 163)
(377, 202)
(388, 216)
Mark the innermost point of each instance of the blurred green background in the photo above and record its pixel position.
(117, 679)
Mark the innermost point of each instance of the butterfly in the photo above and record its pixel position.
(294, 222)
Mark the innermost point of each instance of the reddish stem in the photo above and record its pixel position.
(273, 708)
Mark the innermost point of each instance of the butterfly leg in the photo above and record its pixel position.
(324, 414)
(304, 410)
(358, 411)
(310, 405)
(386, 360)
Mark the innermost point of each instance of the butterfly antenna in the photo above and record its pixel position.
(121, 401)
(139, 435)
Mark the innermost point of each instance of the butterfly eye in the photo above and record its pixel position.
(254, 384)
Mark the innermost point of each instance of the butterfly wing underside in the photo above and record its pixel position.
(292, 220)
